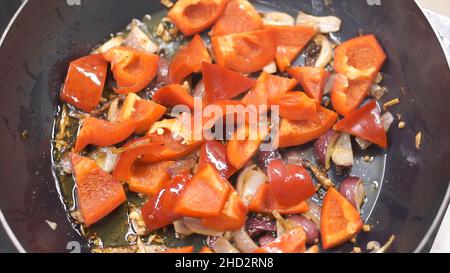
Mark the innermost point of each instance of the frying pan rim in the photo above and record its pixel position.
(435, 224)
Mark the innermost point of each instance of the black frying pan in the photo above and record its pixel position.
(46, 35)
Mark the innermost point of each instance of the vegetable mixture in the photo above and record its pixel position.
(130, 153)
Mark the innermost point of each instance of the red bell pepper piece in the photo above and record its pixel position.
(359, 60)
(240, 151)
(233, 215)
(144, 112)
(194, 16)
(245, 52)
(340, 221)
(365, 123)
(173, 95)
(205, 195)
(159, 211)
(295, 106)
(223, 84)
(149, 178)
(293, 241)
(188, 60)
(172, 148)
(313, 80)
(239, 16)
(132, 151)
(103, 133)
(214, 153)
(268, 87)
(133, 70)
(290, 184)
(98, 193)
(291, 40)
(294, 133)
(184, 249)
(84, 82)
(265, 202)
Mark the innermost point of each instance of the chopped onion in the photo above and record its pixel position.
(113, 110)
(248, 183)
(263, 158)
(325, 24)
(243, 241)
(199, 90)
(256, 226)
(329, 85)
(138, 40)
(278, 18)
(377, 91)
(323, 148)
(222, 245)
(280, 229)
(105, 158)
(266, 239)
(196, 226)
(181, 228)
(314, 212)
(343, 153)
(326, 51)
(311, 230)
(271, 68)
(352, 188)
(113, 42)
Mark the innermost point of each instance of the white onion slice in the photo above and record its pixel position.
(181, 228)
(248, 183)
(326, 51)
(342, 152)
(105, 158)
(222, 245)
(138, 40)
(278, 19)
(271, 68)
(243, 241)
(325, 24)
(195, 225)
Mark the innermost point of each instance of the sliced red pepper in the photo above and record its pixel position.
(365, 123)
(290, 184)
(188, 60)
(295, 106)
(359, 60)
(313, 80)
(144, 112)
(245, 52)
(149, 178)
(223, 84)
(159, 211)
(240, 151)
(286, 56)
(291, 40)
(132, 151)
(239, 16)
(293, 241)
(103, 133)
(84, 82)
(133, 70)
(214, 153)
(173, 148)
(265, 202)
(98, 193)
(184, 249)
(340, 221)
(194, 16)
(173, 95)
(233, 216)
(205, 195)
(268, 87)
(294, 133)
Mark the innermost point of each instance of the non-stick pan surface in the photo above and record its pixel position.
(46, 35)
